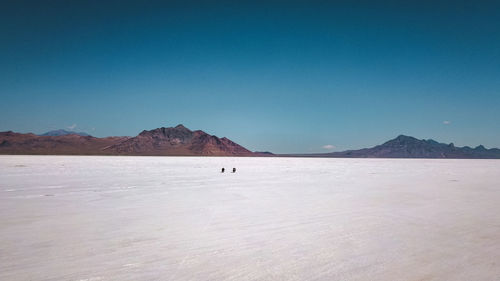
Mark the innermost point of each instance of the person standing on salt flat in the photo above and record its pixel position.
(222, 171)
(234, 170)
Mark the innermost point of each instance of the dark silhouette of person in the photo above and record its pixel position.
(222, 171)
(234, 170)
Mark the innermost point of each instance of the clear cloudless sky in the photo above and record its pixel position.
(281, 76)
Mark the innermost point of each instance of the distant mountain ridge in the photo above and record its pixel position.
(62, 132)
(180, 141)
(175, 141)
(410, 147)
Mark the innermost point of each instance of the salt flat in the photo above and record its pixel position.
(178, 218)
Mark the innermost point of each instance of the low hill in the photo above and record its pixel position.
(16, 143)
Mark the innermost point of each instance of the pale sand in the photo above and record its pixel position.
(179, 218)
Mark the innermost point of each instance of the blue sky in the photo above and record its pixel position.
(281, 76)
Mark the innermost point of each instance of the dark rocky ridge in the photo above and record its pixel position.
(410, 147)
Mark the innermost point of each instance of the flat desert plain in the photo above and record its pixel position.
(179, 218)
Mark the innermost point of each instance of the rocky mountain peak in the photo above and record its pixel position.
(179, 140)
(181, 127)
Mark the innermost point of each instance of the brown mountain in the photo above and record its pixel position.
(178, 140)
(73, 144)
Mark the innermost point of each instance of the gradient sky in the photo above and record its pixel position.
(280, 76)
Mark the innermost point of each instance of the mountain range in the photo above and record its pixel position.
(175, 141)
(181, 141)
(410, 147)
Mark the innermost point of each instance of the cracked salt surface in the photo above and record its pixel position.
(179, 218)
